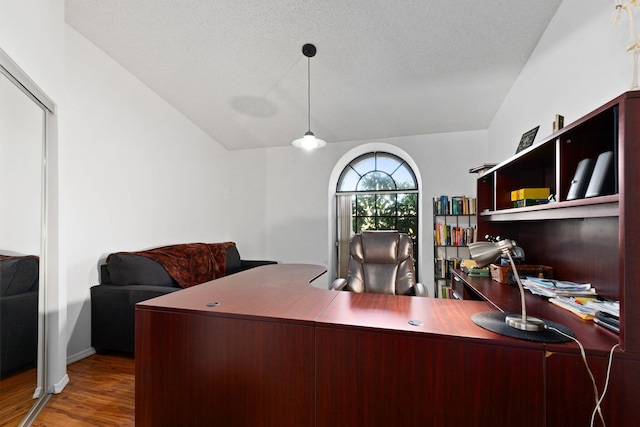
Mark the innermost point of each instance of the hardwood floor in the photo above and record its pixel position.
(16, 397)
(101, 392)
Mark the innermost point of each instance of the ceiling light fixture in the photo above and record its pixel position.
(309, 141)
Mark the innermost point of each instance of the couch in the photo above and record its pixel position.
(19, 277)
(127, 278)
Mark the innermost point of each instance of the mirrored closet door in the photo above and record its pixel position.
(22, 282)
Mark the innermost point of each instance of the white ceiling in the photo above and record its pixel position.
(383, 68)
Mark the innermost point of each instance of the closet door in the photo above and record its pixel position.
(22, 142)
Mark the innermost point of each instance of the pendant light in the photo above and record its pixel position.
(309, 141)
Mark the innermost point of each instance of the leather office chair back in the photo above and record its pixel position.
(381, 262)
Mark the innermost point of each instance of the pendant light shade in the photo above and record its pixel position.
(309, 141)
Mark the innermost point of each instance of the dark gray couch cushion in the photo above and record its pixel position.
(233, 262)
(130, 269)
(18, 275)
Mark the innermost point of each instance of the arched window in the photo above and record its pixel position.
(375, 191)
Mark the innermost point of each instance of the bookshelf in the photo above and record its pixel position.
(592, 239)
(454, 227)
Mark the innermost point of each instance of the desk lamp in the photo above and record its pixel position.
(520, 325)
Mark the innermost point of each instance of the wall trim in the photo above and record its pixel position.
(81, 355)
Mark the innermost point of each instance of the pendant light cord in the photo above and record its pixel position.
(309, 141)
(309, 93)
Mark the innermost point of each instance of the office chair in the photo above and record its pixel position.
(381, 262)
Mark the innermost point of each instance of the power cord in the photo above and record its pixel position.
(598, 397)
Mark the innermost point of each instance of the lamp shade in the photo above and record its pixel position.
(309, 142)
(484, 253)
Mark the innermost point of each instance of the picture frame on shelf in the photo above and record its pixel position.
(527, 139)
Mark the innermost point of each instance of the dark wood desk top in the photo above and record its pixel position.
(282, 292)
(270, 292)
(441, 318)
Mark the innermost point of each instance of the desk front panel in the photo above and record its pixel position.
(375, 368)
(204, 370)
(377, 378)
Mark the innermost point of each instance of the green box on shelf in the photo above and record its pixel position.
(529, 202)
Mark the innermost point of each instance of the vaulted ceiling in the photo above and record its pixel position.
(383, 68)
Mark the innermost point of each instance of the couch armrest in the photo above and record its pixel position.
(18, 331)
(113, 314)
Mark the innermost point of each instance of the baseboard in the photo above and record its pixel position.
(38, 392)
(60, 385)
(81, 355)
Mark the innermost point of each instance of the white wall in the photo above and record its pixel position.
(579, 64)
(280, 196)
(32, 34)
(134, 173)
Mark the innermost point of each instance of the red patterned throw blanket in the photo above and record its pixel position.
(191, 264)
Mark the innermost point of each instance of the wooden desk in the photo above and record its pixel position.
(278, 352)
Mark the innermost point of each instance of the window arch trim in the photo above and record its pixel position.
(354, 173)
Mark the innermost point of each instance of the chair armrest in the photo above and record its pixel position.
(421, 291)
(338, 284)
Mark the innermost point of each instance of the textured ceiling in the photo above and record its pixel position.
(383, 68)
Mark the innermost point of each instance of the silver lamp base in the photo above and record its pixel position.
(530, 324)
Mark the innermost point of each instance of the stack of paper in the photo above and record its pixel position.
(554, 288)
(611, 307)
(580, 306)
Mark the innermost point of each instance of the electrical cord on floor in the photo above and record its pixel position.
(598, 397)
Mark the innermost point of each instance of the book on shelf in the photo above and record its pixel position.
(444, 265)
(439, 268)
(529, 202)
(444, 291)
(530, 193)
(454, 205)
(450, 235)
